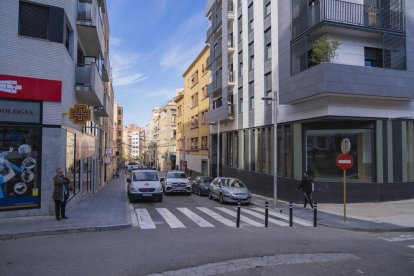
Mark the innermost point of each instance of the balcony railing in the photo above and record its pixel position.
(231, 76)
(347, 13)
(230, 6)
(89, 85)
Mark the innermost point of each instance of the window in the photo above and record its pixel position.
(251, 56)
(33, 20)
(268, 44)
(241, 64)
(204, 91)
(67, 37)
(251, 95)
(240, 103)
(217, 103)
(268, 86)
(203, 68)
(194, 100)
(240, 27)
(373, 57)
(194, 78)
(204, 142)
(267, 7)
(250, 17)
(203, 117)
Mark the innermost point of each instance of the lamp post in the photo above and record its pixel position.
(274, 100)
(218, 145)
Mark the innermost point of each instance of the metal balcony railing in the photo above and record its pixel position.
(84, 11)
(231, 76)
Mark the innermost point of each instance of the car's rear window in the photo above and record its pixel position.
(145, 176)
(176, 175)
(233, 183)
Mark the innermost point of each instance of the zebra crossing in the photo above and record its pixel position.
(183, 217)
(401, 238)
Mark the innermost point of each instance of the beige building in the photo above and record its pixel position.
(131, 141)
(166, 140)
(192, 130)
(151, 140)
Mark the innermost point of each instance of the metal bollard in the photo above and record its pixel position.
(266, 214)
(315, 214)
(290, 214)
(238, 215)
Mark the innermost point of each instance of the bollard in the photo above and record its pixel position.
(266, 214)
(238, 215)
(315, 214)
(290, 214)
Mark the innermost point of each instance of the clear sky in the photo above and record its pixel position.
(152, 43)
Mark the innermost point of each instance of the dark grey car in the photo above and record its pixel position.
(201, 185)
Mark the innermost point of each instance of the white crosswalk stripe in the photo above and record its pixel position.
(144, 219)
(411, 246)
(196, 218)
(284, 217)
(242, 218)
(262, 217)
(172, 220)
(217, 217)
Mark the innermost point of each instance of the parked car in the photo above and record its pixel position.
(232, 190)
(176, 181)
(201, 185)
(144, 184)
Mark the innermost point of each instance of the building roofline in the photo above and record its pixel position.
(206, 47)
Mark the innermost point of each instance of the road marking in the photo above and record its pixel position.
(172, 220)
(262, 217)
(196, 218)
(144, 219)
(411, 246)
(134, 219)
(242, 218)
(400, 238)
(285, 217)
(217, 217)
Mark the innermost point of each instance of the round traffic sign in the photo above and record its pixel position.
(345, 145)
(344, 161)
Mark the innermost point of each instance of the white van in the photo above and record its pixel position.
(144, 184)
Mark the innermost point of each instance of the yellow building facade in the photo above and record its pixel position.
(192, 106)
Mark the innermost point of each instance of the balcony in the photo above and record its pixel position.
(89, 85)
(230, 76)
(209, 33)
(103, 111)
(230, 44)
(230, 10)
(90, 28)
(348, 13)
(106, 70)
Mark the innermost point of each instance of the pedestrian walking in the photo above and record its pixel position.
(306, 185)
(61, 190)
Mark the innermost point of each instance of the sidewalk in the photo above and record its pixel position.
(392, 216)
(108, 209)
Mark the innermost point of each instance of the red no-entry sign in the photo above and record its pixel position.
(344, 161)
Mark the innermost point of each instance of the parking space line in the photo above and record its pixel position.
(262, 217)
(196, 218)
(144, 219)
(285, 217)
(242, 218)
(172, 220)
(217, 217)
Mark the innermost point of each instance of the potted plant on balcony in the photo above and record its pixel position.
(324, 50)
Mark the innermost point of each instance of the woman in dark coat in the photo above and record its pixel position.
(307, 187)
(61, 187)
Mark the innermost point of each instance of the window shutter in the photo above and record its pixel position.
(33, 20)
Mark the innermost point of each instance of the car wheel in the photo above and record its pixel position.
(221, 199)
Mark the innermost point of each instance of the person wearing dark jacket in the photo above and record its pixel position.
(61, 188)
(307, 187)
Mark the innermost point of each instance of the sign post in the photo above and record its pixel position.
(345, 162)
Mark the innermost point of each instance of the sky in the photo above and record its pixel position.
(152, 43)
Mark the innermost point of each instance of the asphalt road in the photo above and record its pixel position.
(219, 249)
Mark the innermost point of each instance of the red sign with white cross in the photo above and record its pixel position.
(344, 161)
(15, 87)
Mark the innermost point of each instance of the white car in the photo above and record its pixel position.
(144, 184)
(176, 181)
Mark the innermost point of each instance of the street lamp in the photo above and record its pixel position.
(274, 100)
(218, 145)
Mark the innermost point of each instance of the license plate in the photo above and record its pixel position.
(146, 194)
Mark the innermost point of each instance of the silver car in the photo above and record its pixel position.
(227, 189)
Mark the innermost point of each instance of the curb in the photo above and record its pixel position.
(64, 231)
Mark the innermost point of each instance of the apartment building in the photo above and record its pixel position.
(166, 135)
(151, 140)
(362, 93)
(54, 54)
(132, 141)
(192, 106)
(119, 134)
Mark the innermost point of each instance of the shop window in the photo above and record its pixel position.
(19, 162)
(324, 145)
